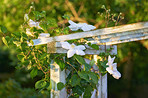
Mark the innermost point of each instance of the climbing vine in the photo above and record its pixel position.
(82, 70)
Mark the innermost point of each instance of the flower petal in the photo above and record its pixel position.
(116, 75)
(80, 47)
(114, 65)
(109, 70)
(66, 45)
(110, 60)
(87, 27)
(73, 26)
(31, 23)
(70, 53)
(80, 52)
(71, 22)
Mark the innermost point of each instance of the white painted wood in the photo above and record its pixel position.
(56, 75)
(111, 30)
(126, 40)
(129, 36)
(139, 31)
(89, 50)
(102, 83)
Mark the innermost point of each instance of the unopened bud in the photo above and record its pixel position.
(26, 17)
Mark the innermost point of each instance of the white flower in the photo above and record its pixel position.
(73, 49)
(84, 26)
(116, 75)
(31, 23)
(112, 69)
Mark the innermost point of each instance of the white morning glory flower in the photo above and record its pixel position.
(31, 23)
(83, 26)
(112, 69)
(73, 49)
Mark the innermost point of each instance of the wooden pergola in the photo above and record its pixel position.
(105, 38)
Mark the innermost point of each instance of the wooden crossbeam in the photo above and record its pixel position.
(117, 38)
(118, 31)
(58, 49)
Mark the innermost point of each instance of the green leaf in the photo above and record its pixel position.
(16, 34)
(26, 62)
(92, 62)
(94, 46)
(43, 13)
(80, 59)
(17, 43)
(60, 63)
(40, 84)
(60, 86)
(77, 89)
(75, 80)
(31, 41)
(87, 93)
(66, 17)
(66, 30)
(93, 76)
(86, 67)
(5, 41)
(51, 22)
(20, 57)
(3, 29)
(102, 66)
(43, 56)
(83, 75)
(39, 15)
(33, 73)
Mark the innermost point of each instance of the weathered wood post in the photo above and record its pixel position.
(106, 36)
(56, 75)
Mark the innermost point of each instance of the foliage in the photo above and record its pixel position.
(36, 58)
(12, 89)
(133, 11)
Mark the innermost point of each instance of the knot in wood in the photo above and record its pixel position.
(51, 47)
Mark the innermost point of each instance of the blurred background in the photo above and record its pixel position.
(132, 57)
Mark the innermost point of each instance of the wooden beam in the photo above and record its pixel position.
(57, 48)
(137, 27)
(122, 38)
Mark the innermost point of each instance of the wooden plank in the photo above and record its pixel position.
(124, 41)
(139, 31)
(56, 75)
(58, 49)
(130, 36)
(104, 31)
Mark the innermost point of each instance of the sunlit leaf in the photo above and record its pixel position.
(40, 84)
(60, 86)
(33, 73)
